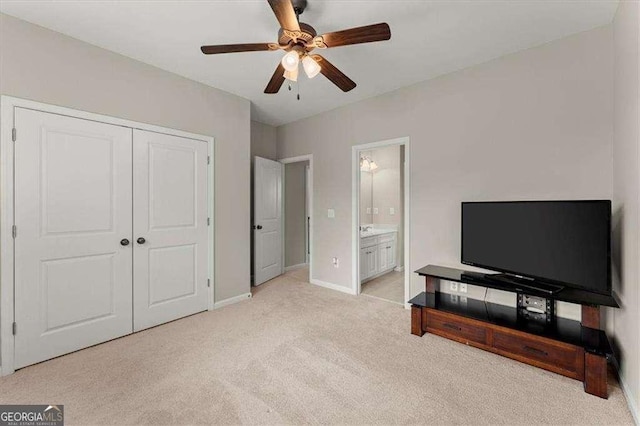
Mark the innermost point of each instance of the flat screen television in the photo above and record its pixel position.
(562, 243)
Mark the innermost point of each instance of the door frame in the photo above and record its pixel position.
(355, 207)
(8, 104)
(309, 192)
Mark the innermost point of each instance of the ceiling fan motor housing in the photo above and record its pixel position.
(302, 38)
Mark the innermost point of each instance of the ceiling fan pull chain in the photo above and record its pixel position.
(298, 87)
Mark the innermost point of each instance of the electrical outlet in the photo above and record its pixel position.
(462, 287)
(375, 210)
(336, 262)
(463, 300)
(453, 286)
(368, 210)
(392, 211)
(454, 298)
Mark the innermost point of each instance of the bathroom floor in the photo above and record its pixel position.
(388, 286)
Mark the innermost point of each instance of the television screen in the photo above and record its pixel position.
(562, 242)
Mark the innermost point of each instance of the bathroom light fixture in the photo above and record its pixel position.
(367, 164)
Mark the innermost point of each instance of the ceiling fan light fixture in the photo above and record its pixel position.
(291, 75)
(311, 67)
(291, 60)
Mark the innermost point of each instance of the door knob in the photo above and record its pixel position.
(259, 227)
(141, 240)
(124, 242)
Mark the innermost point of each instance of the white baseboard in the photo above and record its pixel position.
(382, 298)
(231, 300)
(631, 402)
(399, 269)
(332, 286)
(294, 267)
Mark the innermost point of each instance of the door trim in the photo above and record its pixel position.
(309, 189)
(355, 207)
(8, 104)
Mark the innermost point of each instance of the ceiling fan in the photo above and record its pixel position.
(299, 40)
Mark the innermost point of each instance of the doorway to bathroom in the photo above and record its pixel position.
(380, 220)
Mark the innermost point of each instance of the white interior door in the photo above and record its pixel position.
(170, 228)
(267, 216)
(72, 209)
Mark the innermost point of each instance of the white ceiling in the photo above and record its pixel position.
(429, 38)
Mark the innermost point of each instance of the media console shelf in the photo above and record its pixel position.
(576, 349)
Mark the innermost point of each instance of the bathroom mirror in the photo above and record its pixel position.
(366, 189)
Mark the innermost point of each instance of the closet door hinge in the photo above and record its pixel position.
(208, 221)
(14, 328)
(14, 134)
(14, 231)
(208, 282)
(208, 159)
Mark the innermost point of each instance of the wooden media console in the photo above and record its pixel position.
(576, 349)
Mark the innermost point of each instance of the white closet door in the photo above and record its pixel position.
(72, 209)
(170, 228)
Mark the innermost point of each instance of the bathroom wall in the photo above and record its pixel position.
(380, 190)
(386, 186)
(366, 179)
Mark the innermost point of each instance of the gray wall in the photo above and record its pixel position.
(45, 66)
(533, 125)
(263, 141)
(626, 189)
(294, 213)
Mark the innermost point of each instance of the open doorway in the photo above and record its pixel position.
(297, 207)
(381, 210)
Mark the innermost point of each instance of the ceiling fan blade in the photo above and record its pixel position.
(234, 48)
(334, 74)
(276, 80)
(285, 14)
(366, 34)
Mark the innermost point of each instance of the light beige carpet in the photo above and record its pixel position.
(389, 286)
(301, 354)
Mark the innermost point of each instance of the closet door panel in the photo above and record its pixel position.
(73, 204)
(170, 228)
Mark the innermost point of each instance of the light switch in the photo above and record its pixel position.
(375, 210)
(392, 210)
(331, 213)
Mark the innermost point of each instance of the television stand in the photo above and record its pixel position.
(576, 349)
